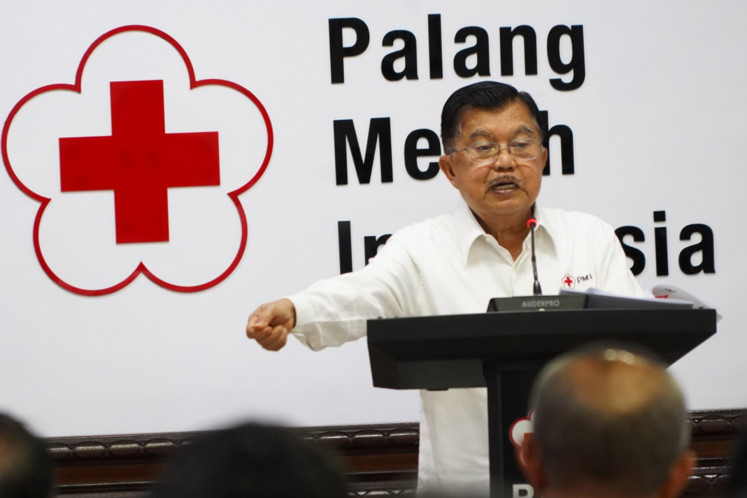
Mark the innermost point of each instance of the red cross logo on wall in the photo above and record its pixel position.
(139, 161)
(138, 167)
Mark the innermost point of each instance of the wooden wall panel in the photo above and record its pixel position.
(380, 460)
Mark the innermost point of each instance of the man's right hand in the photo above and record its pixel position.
(271, 323)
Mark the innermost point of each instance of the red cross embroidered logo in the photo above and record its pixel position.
(568, 281)
(137, 167)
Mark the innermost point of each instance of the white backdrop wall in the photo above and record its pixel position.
(657, 119)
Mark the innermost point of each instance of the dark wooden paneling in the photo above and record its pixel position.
(380, 460)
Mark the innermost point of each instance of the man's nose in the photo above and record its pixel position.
(504, 160)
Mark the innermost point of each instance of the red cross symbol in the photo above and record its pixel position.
(139, 161)
(568, 281)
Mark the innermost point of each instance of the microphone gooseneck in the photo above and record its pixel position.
(532, 224)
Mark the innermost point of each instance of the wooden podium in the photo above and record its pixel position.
(503, 351)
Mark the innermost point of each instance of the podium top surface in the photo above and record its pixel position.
(445, 351)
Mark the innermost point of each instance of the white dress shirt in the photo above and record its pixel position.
(449, 265)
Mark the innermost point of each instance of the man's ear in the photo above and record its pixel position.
(678, 476)
(527, 455)
(447, 166)
(545, 153)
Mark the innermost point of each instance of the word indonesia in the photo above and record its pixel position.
(695, 256)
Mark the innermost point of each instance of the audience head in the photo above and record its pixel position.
(25, 464)
(251, 460)
(607, 418)
(736, 483)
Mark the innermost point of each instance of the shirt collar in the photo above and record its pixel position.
(468, 230)
(545, 227)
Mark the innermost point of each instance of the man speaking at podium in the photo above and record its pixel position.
(455, 263)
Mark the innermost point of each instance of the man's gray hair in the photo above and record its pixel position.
(590, 427)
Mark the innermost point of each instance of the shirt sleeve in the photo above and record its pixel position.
(334, 311)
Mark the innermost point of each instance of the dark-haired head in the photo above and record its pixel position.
(482, 95)
(251, 460)
(25, 465)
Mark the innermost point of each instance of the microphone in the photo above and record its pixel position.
(532, 224)
(526, 303)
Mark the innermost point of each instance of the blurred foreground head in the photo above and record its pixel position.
(25, 465)
(251, 460)
(608, 421)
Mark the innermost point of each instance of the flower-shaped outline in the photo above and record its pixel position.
(141, 268)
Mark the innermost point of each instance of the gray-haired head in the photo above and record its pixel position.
(608, 415)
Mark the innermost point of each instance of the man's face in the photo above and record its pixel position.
(507, 187)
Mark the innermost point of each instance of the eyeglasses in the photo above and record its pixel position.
(483, 153)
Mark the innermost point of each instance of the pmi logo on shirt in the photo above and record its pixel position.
(137, 167)
(570, 282)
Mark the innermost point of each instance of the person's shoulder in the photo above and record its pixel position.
(433, 226)
(434, 235)
(555, 218)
